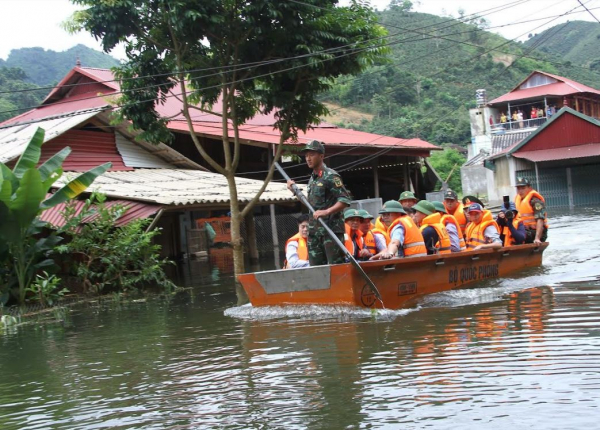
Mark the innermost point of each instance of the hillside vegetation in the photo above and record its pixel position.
(29, 68)
(435, 67)
(47, 67)
(575, 41)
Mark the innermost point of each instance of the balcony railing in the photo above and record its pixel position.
(499, 128)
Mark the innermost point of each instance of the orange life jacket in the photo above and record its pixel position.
(349, 243)
(302, 248)
(413, 246)
(475, 232)
(459, 215)
(379, 224)
(370, 242)
(435, 220)
(446, 218)
(508, 237)
(526, 212)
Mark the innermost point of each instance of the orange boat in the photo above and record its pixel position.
(400, 281)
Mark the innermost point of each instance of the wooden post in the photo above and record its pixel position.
(375, 178)
(406, 176)
(270, 150)
(576, 104)
(251, 237)
(509, 119)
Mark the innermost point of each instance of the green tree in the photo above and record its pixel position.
(23, 192)
(248, 57)
(447, 163)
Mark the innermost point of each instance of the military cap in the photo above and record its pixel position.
(392, 206)
(475, 207)
(364, 214)
(424, 207)
(351, 213)
(450, 195)
(522, 182)
(439, 206)
(314, 145)
(467, 200)
(407, 195)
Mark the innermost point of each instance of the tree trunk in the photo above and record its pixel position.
(236, 222)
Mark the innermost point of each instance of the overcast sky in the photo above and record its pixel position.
(29, 23)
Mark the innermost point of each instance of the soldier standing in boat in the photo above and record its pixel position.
(329, 197)
(532, 207)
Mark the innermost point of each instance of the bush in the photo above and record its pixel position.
(112, 258)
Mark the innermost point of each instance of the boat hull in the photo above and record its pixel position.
(400, 281)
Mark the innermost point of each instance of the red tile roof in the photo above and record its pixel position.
(257, 129)
(581, 151)
(564, 87)
(135, 210)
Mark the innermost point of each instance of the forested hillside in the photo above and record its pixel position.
(47, 67)
(435, 66)
(575, 41)
(30, 68)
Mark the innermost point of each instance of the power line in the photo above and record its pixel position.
(590, 12)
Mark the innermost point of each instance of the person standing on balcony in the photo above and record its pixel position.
(503, 120)
(533, 117)
(328, 196)
(515, 118)
(520, 118)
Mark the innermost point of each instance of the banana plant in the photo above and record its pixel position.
(23, 192)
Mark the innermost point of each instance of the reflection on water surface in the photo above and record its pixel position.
(521, 352)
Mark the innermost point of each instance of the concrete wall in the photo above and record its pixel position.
(474, 180)
(481, 133)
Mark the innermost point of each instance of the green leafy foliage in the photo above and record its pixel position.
(109, 258)
(46, 289)
(435, 66)
(24, 246)
(46, 67)
(17, 93)
(447, 164)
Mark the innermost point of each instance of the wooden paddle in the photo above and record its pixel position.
(331, 234)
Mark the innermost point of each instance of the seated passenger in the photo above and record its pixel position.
(407, 199)
(435, 235)
(482, 230)
(512, 229)
(353, 237)
(296, 249)
(375, 239)
(405, 238)
(457, 241)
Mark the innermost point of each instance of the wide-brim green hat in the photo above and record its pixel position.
(365, 214)
(314, 145)
(351, 213)
(439, 206)
(407, 195)
(424, 207)
(392, 206)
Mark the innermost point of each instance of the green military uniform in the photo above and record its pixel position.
(325, 189)
(539, 212)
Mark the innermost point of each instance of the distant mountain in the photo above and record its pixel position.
(48, 67)
(435, 66)
(575, 41)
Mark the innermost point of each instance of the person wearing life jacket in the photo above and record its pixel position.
(455, 208)
(296, 249)
(435, 235)
(457, 241)
(375, 239)
(406, 239)
(353, 239)
(512, 230)
(407, 199)
(482, 232)
(532, 208)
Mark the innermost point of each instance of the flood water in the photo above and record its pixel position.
(518, 353)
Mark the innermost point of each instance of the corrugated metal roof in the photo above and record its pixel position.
(564, 87)
(477, 160)
(14, 139)
(565, 153)
(135, 156)
(173, 187)
(503, 142)
(331, 135)
(135, 210)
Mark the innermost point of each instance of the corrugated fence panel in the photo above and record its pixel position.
(552, 185)
(585, 184)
